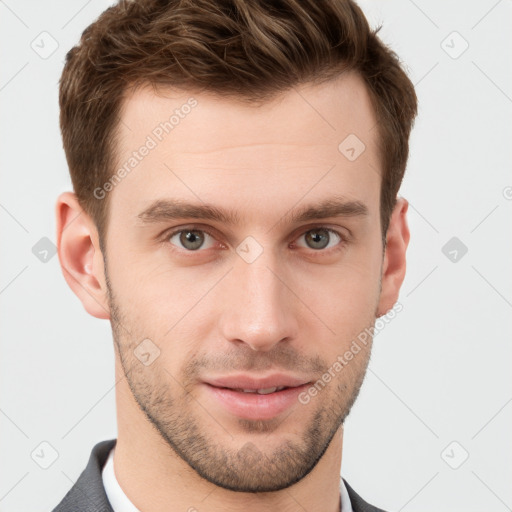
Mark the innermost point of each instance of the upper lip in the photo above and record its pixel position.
(244, 381)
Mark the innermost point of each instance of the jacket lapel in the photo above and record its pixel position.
(88, 493)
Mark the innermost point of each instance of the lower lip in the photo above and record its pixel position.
(253, 406)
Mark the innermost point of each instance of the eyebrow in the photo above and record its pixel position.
(173, 209)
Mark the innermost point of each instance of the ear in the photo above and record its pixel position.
(393, 267)
(80, 256)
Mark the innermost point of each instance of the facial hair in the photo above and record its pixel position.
(168, 403)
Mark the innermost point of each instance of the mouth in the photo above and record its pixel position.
(262, 391)
(255, 399)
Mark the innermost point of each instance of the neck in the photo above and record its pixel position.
(153, 476)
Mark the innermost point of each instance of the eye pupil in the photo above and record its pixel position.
(191, 239)
(318, 240)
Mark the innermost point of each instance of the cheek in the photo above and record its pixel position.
(344, 297)
(351, 279)
(163, 303)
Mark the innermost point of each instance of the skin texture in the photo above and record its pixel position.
(211, 313)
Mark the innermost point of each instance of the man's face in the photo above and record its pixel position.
(261, 297)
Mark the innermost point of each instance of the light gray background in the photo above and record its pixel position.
(440, 371)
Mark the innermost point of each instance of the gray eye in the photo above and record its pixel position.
(320, 238)
(190, 239)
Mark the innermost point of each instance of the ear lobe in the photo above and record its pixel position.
(80, 256)
(394, 264)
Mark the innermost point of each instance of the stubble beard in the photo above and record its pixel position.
(167, 402)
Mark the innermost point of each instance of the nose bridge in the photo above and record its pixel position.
(258, 310)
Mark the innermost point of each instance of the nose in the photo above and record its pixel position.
(258, 307)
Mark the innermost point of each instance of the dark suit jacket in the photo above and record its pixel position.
(88, 493)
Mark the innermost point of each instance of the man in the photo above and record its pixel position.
(236, 167)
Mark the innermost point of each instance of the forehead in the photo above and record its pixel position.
(313, 139)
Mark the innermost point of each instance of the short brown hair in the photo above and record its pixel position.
(247, 49)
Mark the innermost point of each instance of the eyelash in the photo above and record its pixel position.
(341, 244)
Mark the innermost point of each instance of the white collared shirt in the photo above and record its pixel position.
(118, 499)
(120, 502)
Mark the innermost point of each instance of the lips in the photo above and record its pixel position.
(255, 398)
